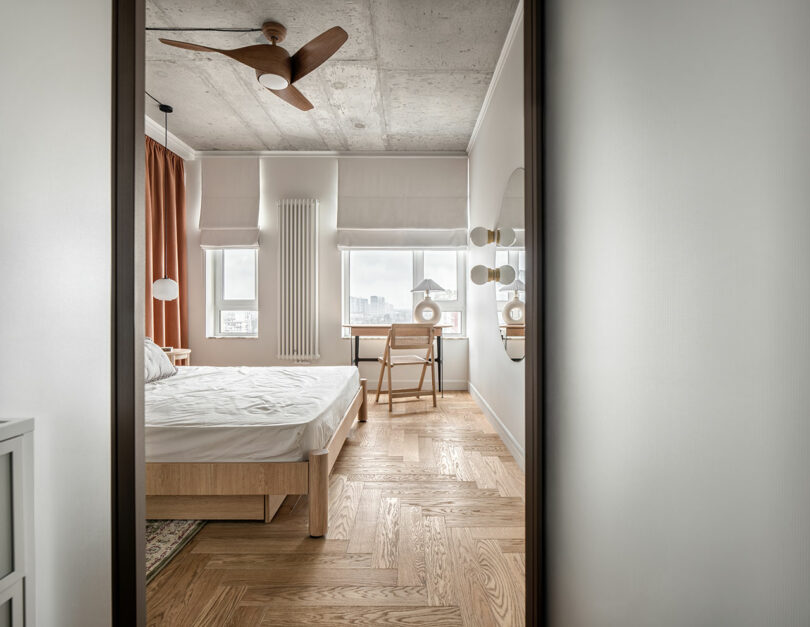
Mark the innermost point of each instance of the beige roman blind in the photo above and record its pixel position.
(402, 202)
(229, 215)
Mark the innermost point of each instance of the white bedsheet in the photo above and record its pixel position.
(214, 414)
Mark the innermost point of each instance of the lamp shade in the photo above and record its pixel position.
(428, 285)
(165, 289)
(518, 285)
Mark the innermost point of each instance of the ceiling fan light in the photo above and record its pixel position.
(273, 81)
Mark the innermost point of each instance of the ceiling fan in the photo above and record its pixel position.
(275, 68)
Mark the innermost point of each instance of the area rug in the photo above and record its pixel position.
(164, 539)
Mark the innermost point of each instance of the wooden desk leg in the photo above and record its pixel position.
(440, 362)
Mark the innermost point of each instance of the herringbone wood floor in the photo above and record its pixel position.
(425, 528)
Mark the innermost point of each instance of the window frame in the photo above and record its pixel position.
(459, 304)
(215, 289)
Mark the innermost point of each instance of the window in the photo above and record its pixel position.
(377, 285)
(232, 295)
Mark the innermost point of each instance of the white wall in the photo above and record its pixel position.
(55, 320)
(679, 247)
(495, 380)
(289, 177)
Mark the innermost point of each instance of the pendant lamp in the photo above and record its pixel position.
(165, 288)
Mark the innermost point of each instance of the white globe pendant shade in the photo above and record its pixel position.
(506, 275)
(479, 236)
(506, 236)
(273, 81)
(481, 275)
(165, 289)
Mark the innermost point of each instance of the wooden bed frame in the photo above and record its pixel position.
(249, 490)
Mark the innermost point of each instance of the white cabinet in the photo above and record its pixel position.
(16, 522)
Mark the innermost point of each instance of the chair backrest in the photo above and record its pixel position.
(411, 336)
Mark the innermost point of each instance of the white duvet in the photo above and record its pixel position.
(214, 414)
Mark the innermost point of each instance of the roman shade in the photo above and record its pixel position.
(229, 212)
(402, 202)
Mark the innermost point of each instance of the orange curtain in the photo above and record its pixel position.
(166, 321)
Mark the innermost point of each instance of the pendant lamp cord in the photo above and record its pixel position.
(165, 194)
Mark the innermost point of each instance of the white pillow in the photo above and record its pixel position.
(156, 363)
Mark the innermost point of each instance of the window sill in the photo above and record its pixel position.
(232, 337)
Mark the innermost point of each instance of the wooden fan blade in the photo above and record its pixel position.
(294, 97)
(312, 54)
(262, 57)
(188, 46)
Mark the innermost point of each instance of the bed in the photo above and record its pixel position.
(231, 443)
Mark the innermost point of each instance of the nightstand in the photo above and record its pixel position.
(180, 356)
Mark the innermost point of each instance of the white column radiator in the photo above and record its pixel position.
(298, 280)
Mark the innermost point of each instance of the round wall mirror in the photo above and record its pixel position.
(511, 297)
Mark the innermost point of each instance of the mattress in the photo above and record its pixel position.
(245, 414)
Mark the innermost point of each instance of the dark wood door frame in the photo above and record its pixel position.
(534, 100)
(128, 545)
(127, 490)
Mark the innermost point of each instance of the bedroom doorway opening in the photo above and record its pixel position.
(296, 477)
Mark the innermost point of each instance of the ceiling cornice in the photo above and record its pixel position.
(514, 29)
(176, 145)
(210, 154)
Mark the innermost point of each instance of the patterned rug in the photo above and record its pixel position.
(164, 539)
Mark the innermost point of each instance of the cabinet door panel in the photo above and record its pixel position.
(11, 528)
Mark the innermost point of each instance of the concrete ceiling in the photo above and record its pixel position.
(411, 77)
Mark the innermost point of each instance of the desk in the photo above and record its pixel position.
(356, 331)
(512, 331)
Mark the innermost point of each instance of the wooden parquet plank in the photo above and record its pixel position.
(506, 533)
(246, 616)
(426, 450)
(468, 579)
(221, 606)
(364, 530)
(503, 598)
(386, 541)
(411, 551)
(438, 564)
(410, 451)
(312, 574)
(342, 515)
(377, 616)
(309, 595)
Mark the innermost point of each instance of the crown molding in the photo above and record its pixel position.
(381, 154)
(176, 145)
(514, 28)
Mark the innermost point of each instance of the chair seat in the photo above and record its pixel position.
(404, 360)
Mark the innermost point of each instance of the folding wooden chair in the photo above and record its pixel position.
(413, 337)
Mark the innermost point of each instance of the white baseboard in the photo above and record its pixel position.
(509, 440)
(449, 384)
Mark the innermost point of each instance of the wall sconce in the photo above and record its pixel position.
(504, 236)
(480, 275)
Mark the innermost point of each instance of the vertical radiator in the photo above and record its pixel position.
(298, 280)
